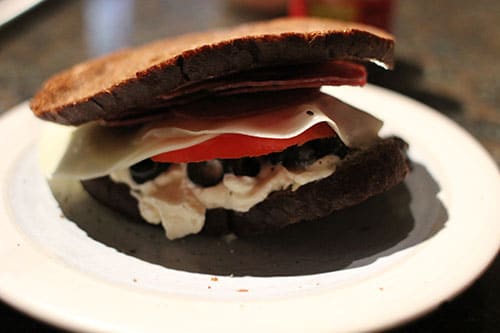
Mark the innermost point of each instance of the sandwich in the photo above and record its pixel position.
(224, 131)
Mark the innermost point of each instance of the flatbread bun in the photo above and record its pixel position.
(129, 82)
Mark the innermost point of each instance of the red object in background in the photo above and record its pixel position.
(373, 12)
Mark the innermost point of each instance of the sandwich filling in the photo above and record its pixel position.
(175, 200)
(175, 189)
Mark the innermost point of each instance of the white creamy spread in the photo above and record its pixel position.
(179, 205)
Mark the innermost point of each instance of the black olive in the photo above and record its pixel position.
(147, 170)
(274, 158)
(299, 157)
(246, 166)
(323, 147)
(330, 146)
(206, 174)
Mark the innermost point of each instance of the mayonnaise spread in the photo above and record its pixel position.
(179, 205)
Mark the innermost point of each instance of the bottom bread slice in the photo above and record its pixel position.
(362, 174)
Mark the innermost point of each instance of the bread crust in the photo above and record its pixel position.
(130, 81)
(362, 174)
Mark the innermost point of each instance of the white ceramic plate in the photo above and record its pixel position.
(400, 255)
(10, 9)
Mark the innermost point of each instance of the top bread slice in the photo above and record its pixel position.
(129, 81)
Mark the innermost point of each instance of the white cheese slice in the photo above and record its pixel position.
(91, 151)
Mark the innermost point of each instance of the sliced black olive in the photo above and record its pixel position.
(206, 174)
(327, 146)
(299, 157)
(147, 170)
(338, 147)
(246, 166)
(274, 158)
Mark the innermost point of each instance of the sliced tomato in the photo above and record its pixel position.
(239, 145)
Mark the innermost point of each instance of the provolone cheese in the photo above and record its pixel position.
(92, 151)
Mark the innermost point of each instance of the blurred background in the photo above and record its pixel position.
(447, 57)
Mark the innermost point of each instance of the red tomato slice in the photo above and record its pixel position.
(239, 145)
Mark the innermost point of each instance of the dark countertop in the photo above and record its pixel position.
(447, 51)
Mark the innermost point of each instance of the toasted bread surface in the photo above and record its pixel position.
(129, 81)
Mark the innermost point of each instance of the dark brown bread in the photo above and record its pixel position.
(362, 174)
(130, 81)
